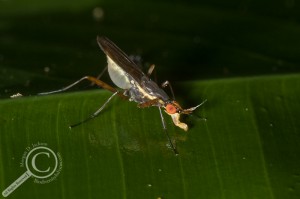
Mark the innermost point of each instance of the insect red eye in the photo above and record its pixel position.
(171, 109)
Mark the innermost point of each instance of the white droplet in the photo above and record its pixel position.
(98, 13)
(16, 95)
(46, 69)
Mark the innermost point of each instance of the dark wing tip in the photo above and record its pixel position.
(102, 40)
(105, 44)
(119, 57)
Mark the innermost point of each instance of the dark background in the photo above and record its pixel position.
(48, 44)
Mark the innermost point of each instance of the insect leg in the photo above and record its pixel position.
(104, 85)
(63, 89)
(150, 70)
(165, 130)
(167, 83)
(100, 75)
(97, 112)
(91, 79)
(148, 103)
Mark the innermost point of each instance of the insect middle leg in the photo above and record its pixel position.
(148, 103)
(95, 114)
(150, 70)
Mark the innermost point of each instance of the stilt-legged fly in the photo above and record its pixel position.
(135, 86)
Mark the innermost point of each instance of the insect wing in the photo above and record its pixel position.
(118, 75)
(122, 70)
(120, 58)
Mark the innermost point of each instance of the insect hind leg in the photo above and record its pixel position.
(89, 78)
(100, 75)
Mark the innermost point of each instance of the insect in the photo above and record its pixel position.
(135, 86)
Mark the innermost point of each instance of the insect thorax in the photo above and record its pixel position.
(146, 91)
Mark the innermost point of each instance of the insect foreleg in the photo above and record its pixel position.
(167, 83)
(165, 130)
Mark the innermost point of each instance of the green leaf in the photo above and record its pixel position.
(248, 146)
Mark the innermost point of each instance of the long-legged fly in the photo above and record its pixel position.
(135, 86)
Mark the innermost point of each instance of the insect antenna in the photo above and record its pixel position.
(190, 110)
(96, 113)
(167, 83)
(165, 130)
